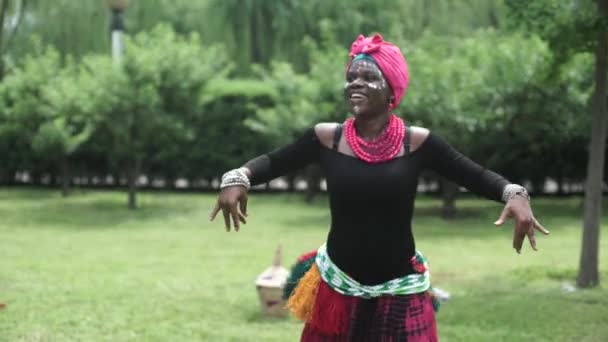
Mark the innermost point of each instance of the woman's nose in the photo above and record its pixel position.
(356, 83)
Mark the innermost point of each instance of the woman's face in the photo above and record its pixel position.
(366, 90)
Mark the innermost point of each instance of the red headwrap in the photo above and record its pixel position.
(389, 59)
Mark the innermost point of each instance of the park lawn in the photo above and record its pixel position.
(84, 268)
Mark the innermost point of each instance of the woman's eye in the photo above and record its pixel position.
(372, 77)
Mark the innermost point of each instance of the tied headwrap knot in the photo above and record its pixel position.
(366, 45)
(389, 59)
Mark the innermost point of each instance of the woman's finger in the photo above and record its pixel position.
(515, 237)
(235, 217)
(506, 212)
(540, 227)
(214, 211)
(519, 234)
(226, 218)
(243, 205)
(531, 238)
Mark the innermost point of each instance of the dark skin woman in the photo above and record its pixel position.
(368, 282)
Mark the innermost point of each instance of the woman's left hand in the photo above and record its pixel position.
(518, 207)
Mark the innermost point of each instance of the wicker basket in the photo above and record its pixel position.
(270, 285)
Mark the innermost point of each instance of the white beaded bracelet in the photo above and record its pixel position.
(512, 190)
(236, 177)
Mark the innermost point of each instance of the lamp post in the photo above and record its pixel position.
(117, 26)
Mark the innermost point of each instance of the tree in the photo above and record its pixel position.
(145, 105)
(22, 113)
(588, 275)
(68, 117)
(572, 27)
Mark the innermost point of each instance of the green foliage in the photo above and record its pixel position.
(22, 110)
(73, 27)
(570, 26)
(253, 31)
(304, 99)
(223, 138)
(458, 86)
(328, 67)
(490, 96)
(147, 103)
(69, 119)
(180, 105)
(184, 16)
(294, 109)
(263, 31)
(571, 30)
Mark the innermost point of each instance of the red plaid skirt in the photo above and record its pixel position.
(388, 318)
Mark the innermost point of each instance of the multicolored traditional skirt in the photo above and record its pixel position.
(334, 317)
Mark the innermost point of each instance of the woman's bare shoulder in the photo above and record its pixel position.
(325, 132)
(418, 137)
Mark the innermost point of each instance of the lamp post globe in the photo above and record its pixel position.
(118, 5)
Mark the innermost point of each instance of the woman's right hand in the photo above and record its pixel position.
(232, 201)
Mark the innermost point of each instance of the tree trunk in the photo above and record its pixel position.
(3, 14)
(16, 21)
(449, 191)
(588, 275)
(115, 179)
(291, 181)
(12, 176)
(560, 185)
(493, 16)
(170, 182)
(132, 175)
(6, 176)
(65, 177)
(36, 177)
(538, 187)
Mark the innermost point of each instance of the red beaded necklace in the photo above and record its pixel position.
(383, 148)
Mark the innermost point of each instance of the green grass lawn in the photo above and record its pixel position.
(85, 268)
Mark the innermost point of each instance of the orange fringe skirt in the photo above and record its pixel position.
(331, 316)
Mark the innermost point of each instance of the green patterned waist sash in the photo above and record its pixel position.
(344, 284)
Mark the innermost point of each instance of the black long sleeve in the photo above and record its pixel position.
(291, 157)
(441, 157)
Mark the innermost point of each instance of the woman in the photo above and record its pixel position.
(368, 282)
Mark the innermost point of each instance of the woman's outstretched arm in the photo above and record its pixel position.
(232, 200)
(294, 156)
(441, 157)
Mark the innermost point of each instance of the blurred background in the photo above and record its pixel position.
(118, 117)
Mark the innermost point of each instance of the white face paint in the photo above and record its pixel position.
(363, 64)
(383, 84)
(367, 75)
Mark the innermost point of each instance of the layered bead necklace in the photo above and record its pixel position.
(383, 148)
